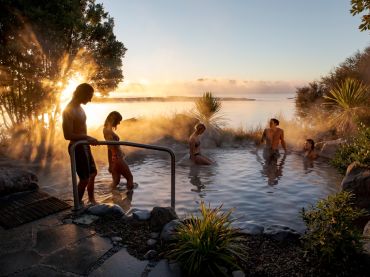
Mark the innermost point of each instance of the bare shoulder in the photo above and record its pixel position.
(107, 133)
(69, 110)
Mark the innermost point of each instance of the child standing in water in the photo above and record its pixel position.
(194, 145)
(117, 163)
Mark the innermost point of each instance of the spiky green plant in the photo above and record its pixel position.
(349, 99)
(207, 110)
(331, 235)
(208, 244)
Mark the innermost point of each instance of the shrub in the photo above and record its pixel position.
(331, 235)
(349, 100)
(358, 149)
(207, 244)
(207, 110)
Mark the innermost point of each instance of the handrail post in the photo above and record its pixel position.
(72, 150)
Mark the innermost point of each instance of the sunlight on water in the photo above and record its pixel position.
(238, 113)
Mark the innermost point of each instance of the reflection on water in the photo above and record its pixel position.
(262, 191)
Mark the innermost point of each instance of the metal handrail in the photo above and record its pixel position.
(127, 143)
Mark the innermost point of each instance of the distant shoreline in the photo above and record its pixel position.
(163, 99)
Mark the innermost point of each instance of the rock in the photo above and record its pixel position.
(16, 180)
(366, 234)
(330, 147)
(357, 181)
(280, 233)
(106, 209)
(141, 215)
(161, 216)
(116, 239)
(169, 230)
(154, 235)
(151, 242)
(85, 219)
(150, 254)
(238, 273)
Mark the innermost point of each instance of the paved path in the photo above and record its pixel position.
(53, 247)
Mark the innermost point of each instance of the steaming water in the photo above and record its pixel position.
(241, 179)
(237, 113)
(260, 193)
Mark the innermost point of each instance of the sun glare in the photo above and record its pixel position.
(67, 92)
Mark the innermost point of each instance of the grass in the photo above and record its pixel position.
(208, 245)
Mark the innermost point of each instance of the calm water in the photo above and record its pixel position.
(260, 193)
(238, 113)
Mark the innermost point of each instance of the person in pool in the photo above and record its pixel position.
(75, 129)
(309, 149)
(194, 146)
(117, 163)
(273, 136)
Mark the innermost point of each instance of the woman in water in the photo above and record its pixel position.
(194, 145)
(117, 163)
(309, 149)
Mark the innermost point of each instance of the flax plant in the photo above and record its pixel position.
(349, 100)
(208, 245)
(207, 110)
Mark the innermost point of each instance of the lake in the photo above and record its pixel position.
(237, 113)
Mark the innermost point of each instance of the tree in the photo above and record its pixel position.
(43, 43)
(360, 6)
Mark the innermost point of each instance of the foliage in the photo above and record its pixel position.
(331, 235)
(207, 109)
(307, 96)
(36, 62)
(360, 6)
(207, 244)
(44, 44)
(356, 67)
(349, 101)
(358, 149)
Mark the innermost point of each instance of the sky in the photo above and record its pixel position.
(232, 47)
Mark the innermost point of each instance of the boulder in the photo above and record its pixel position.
(16, 180)
(141, 215)
(357, 180)
(330, 147)
(151, 254)
(160, 216)
(106, 209)
(168, 231)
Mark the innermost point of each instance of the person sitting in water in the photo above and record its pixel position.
(309, 149)
(117, 163)
(273, 136)
(194, 145)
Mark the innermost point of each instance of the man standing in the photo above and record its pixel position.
(74, 129)
(273, 136)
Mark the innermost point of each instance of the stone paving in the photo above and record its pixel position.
(55, 247)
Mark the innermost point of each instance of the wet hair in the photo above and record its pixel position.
(275, 121)
(199, 125)
(113, 119)
(83, 91)
(312, 143)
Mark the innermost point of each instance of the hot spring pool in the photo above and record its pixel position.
(260, 193)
